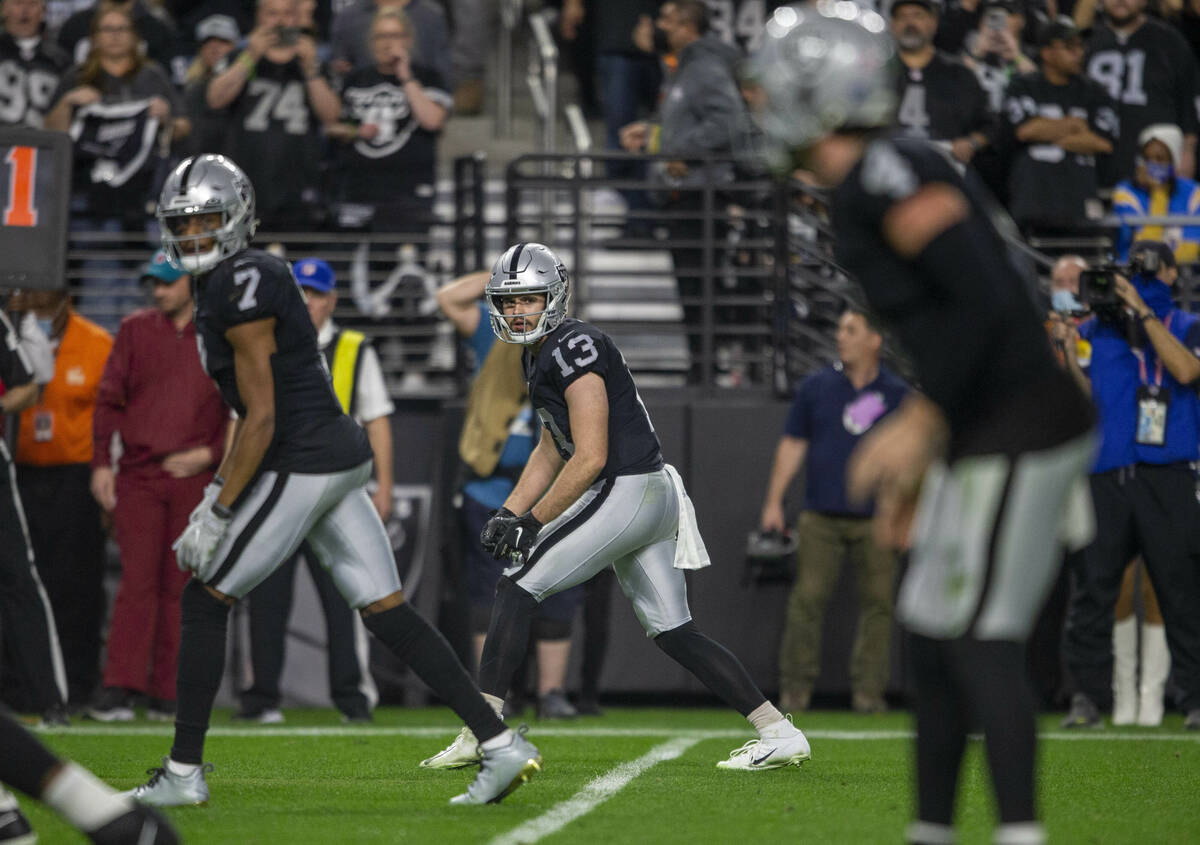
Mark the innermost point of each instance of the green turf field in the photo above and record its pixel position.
(314, 781)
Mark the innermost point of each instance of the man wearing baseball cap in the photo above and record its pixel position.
(360, 388)
(940, 98)
(216, 37)
(1061, 120)
(172, 424)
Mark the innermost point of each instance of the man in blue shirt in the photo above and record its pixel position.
(833, 408)
(1144, 371)
(501, 421)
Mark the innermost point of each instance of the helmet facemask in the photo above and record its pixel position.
(227, 238)
(528, 269)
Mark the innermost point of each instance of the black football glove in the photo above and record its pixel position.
(518, 538)
(493, 530)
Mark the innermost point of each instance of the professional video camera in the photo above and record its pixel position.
(1098, 287)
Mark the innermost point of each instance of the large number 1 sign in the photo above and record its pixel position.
(35, 190)
(22, 176)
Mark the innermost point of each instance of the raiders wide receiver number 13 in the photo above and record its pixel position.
(595, 493)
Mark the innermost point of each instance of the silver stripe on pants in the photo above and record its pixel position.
(632, 531)
(334, 513)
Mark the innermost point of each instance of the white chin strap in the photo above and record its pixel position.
(200, 262)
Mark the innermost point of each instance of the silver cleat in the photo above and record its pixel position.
(464, 751)
(167, 789)
(502, 771)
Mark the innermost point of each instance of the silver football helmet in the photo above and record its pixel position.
(202, 185)
(823, 66)
(528, 268)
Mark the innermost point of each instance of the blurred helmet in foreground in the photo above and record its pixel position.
(823, 67)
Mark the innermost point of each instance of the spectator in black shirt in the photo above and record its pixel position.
(392, 114)
(277, 100)
(153, 27)
(29, 64)
(1060, 120)
(993, 50)
(217, 36)
(115, 106)
(1150, 72)
(940, 99)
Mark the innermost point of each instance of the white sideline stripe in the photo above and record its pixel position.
(599, 732)
(593, 794)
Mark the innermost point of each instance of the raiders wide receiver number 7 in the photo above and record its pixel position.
(295, 472)
(595, 493)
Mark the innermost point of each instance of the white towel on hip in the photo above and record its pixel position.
(689, 545)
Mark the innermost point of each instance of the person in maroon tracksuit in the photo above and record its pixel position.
(171, 421)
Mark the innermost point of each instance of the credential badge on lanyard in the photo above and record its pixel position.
(1153, 400)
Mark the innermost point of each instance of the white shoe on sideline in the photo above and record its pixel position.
(464, 751)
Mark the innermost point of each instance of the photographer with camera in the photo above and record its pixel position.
(1143, 376)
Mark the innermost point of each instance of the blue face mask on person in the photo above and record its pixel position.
(1159, 172)
(1064, 302)
(46, 325)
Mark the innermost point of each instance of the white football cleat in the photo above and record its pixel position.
(502, 771)
(167, 789)
(782, 744)
(463, 752)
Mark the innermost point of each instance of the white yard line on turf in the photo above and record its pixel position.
(85, 729)
(593, 794)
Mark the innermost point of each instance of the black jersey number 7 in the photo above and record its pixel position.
(587, 355)
(249, 277)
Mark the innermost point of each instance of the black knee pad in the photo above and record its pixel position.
(200, 607)
(551, 629)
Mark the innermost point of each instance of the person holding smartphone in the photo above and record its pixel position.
(277, 101)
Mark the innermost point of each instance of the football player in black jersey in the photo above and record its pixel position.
(989, 458)
(595, 493)
(295, 472)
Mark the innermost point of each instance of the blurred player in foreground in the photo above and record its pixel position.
(978, 472)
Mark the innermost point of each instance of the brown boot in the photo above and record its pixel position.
(794, 701)
(866, 703)
(468, 97)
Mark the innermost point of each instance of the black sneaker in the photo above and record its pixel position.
(15, 829)
(56, 717)
(160, 710)
(588, 707)
(111, 705)
(554, 705)
(142, 825)
(1083, 713)
(260, 715)
(357, 716)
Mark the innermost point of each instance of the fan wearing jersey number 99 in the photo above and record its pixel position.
(594, 494)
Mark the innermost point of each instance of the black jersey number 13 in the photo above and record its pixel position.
(588, 354)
